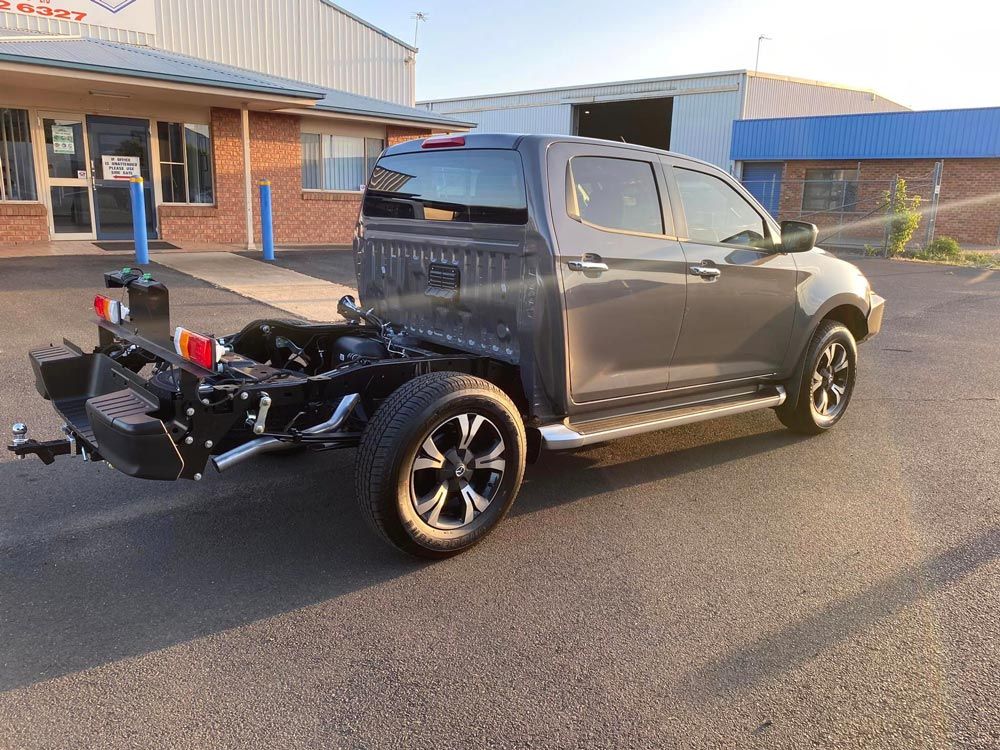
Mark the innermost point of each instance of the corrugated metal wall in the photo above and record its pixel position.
(701, 122)
(306, 40)
(776, 97)
(702, 125)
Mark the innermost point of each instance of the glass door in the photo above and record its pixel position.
(119, 150)
(70, 196)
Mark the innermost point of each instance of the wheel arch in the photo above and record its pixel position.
(845, 309)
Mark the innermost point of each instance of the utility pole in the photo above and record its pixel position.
(761, 38)
(418, 17)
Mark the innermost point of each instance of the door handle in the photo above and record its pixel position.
(706, 272)
(587, 264)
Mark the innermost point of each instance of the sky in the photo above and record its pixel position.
(921, 54)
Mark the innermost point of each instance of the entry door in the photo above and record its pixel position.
(69, 178)
(741, 298)
(763, 180)
(622, 270)
(127, 139)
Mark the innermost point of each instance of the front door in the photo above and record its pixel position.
(119, 150)
(68, 177)
(741, 297)
(622, 270)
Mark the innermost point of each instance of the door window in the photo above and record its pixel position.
(717, 214)
(618, 194)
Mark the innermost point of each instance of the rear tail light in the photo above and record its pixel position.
(448, 141)
(111, 310)
(202, 350)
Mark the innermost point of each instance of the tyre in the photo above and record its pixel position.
(440, 463)
(829, 370)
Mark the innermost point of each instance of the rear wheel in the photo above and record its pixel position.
(828, 375)
(440, 463)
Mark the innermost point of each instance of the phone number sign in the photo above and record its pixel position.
(128, 15)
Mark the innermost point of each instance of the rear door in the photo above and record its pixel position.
(621, 268)
(741, 297)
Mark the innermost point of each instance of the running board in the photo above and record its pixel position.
(566, 435)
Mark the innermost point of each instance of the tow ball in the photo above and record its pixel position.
(47, 451)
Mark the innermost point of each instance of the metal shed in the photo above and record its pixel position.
(691, 114)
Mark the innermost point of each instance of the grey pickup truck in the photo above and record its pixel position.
(520, 293)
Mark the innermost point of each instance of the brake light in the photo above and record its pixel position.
(449, 141)
(111, 310)
(202, 350)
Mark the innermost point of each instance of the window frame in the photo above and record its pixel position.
(773, 235)
(324, 154)
(33, 151)
(160, 161)
(843, 207)
(666, 217)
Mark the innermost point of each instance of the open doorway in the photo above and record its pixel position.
(642, 121)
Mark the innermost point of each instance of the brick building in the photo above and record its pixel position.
(835, 171)
(79, 115)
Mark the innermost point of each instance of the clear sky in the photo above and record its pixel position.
(924, 55)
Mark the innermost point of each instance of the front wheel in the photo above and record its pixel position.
(440, 463)
(829, 370)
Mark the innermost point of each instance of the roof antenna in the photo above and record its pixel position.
(418, 17)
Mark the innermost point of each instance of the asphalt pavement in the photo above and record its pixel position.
(721, 585)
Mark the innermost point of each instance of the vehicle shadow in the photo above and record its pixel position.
(96, 567)
(799, 642)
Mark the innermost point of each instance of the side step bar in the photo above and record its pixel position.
(567, 436)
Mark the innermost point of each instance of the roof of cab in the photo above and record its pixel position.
(515, 140)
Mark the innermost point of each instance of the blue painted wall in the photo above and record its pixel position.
(939, 134)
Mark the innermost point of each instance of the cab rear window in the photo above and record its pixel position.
(483, 186)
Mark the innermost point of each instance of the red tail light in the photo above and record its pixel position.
(202, 350)
(448, 141)
(111, 310)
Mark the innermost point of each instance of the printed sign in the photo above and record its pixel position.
(130, 15)
(81, 174)
(120, 167)
(62, 140)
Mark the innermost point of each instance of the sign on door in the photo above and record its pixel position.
(120, 167)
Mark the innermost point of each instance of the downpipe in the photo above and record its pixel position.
(272, 445)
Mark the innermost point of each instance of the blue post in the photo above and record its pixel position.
(266, 224)
(139, 222)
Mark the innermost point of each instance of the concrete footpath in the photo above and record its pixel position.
(304, 296)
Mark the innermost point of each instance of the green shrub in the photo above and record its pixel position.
(903, 217)
(981, 259)
(943, 248)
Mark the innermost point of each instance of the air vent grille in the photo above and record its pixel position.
(443, 281)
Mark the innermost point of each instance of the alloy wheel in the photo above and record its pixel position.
(457, 471)
(830, 381)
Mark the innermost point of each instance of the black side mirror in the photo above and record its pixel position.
(798, 236)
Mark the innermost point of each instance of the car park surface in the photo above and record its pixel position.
(717, 585)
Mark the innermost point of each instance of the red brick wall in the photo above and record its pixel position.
(23, 222)
(968, 209)
(300, 217)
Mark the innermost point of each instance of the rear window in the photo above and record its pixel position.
(481, 186)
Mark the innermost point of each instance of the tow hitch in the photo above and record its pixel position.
(47, 451)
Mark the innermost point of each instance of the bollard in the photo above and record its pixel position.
(139, 222)
(266, 224)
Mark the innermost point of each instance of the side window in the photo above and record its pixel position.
(718, 214)
(618, 194)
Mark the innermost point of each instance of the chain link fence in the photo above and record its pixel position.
(852, 209)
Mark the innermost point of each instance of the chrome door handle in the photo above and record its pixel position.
(587, 265)
(706, 272)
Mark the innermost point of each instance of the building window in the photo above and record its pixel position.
(185, 163)
(337, 162)
(17, 164)
(830, 190)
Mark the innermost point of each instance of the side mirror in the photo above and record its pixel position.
(798, 236)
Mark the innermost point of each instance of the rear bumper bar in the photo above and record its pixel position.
(108, 411)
